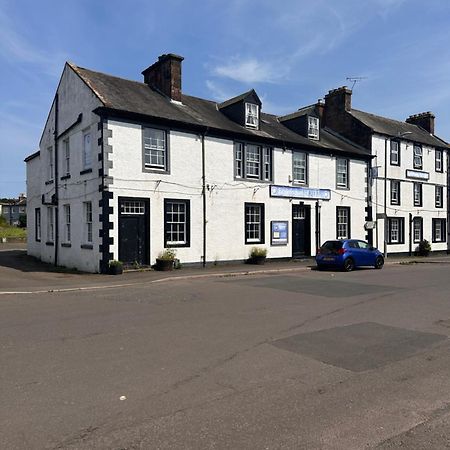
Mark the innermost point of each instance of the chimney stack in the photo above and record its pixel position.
(165, 75)
(424, 120)
(339, 100)
(320, 107)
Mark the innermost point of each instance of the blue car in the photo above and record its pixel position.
(348, 254)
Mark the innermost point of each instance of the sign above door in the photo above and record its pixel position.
(299, 192)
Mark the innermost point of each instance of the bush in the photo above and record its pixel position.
(168, 254)
(115, 263)
(424, 248)
(258, 252)
(23, 221)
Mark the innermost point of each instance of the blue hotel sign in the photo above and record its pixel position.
(299, 192)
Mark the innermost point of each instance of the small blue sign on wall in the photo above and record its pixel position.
(299, 192)
(279, 232)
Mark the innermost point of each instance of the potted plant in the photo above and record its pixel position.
(115, 267)
(257, 255)
(424, 248)
(165, 260)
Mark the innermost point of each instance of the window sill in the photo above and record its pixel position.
(51, 244)
(85, 171)
(66, 244)
(87, 246)
(155, 170)
(49, 182)
(342, 188)
(65, 177)
(254, 243)
(252, 180)
(167, 245)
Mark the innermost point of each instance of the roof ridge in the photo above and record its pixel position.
(387, 118)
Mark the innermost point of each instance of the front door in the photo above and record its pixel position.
(134, 231)
(301, 231)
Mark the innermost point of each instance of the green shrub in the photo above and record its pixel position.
(168, 254)
(424, 248)
(115, 263)
(258, 252)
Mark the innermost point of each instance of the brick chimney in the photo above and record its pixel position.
(165, 75)
(339, 100)
(424, 120)
(320, 107)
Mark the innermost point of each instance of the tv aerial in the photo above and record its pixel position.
(355, 80)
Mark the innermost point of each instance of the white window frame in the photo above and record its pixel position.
(395, 192)
(439, 196)
(251, 115)
(38, 229)
(313, 128)
(439, 226)
(300, 167)
(88, 227)
(342, 222)
(417, 157)
(176, 223)
(417, 229)
(155, 150)
(87, 150)
(50, 224)
(395, 153)
(66, 169)
(51, 164)
(438, 160)
(67, 224)
(254, 223)
(342, 171)
(418, 194)
(253, 162)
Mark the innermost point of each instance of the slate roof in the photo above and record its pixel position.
(395, 128)
(136, 97)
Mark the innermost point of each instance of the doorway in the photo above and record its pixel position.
(301, 231)
(134, 233)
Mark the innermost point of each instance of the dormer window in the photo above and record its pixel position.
(313, 128)
(251, 115)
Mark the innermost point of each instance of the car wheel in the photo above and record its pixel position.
(349, 265)
(379, 262)
(319, 267)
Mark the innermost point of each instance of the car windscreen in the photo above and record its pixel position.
(331, 246)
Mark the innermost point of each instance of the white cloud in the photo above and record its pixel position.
(250, 70)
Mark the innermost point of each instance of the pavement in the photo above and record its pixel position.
(20, 273)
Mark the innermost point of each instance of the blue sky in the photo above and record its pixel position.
(292, 52)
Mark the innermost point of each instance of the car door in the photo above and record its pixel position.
(366, 253)
(355, 252)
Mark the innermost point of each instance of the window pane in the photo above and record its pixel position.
(253, 223)
(299, 167)
(155, 148)
(342, 223)
(253, 161)
(176, 223)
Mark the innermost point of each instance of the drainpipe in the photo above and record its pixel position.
(204, 196)
(56, 200)
(385, 200)
(317, 226)
(410, 234)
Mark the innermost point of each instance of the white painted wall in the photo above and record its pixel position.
(427, 212)
(74, 98)
(225, 196)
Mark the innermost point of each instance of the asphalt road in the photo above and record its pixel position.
(297, 360)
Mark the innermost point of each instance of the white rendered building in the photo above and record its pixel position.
(126, 169)
(408, 186)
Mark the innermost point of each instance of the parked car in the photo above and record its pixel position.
(348, 254)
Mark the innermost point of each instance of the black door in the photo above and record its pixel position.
(301, 231)
(134, 231)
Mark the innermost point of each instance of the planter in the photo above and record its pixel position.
(259, 260)
(115, 270)
(164, 264)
